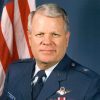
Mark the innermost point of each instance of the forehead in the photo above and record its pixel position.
(42, 23)
(42, 17)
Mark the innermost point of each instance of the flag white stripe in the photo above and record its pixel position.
(31, 5)
(21, 43)
(7, 31)
(2, 78)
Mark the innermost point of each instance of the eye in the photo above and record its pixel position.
(56, 35)
(39, 35)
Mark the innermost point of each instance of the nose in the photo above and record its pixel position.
(47, 40)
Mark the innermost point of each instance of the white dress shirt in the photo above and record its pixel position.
(47, 71)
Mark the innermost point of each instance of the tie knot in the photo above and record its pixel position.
(41, 74)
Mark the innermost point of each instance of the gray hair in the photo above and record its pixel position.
(49, 10)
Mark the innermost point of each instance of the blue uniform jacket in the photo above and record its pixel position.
(68, 81)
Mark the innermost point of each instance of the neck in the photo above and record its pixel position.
(44, 65)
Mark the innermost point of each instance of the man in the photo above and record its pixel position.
(64, 79)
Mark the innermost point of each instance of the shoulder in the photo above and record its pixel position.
(23, 61)
(84, 71)
(21, 64)
(27, 60)
(80, 74)
(20, 68)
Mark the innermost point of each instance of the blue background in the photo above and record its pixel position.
(84, 17)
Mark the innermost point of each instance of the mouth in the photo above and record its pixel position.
(47, 51)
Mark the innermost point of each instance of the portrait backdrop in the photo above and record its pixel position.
(84, 17)
(84, 45)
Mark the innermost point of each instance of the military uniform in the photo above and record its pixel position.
(68, 81)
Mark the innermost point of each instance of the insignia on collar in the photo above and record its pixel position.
(34, 81)
(63, 91)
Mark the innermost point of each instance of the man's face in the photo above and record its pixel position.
(48, 39)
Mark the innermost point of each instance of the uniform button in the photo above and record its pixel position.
(73, 64)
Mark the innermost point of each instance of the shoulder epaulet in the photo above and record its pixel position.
(84, 70)
(23, 60)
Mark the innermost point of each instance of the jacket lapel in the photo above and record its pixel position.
(26, 86)
(52, 84)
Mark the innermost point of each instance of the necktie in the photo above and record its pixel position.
(38, 84)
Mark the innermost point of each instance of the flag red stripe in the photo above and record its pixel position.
(5, 56)
(10, 10)
(24, 12)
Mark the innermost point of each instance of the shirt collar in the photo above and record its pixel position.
(47, 71)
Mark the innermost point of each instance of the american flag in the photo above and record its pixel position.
(13, 33)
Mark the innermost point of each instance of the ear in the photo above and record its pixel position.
(67, 37)
(29, 37)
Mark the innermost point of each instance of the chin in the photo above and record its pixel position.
(47, 60)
